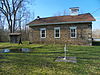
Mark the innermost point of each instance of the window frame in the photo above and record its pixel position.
(73, 32)
(56, 28)
(42, 33)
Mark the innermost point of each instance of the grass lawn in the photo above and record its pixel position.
(40, 61)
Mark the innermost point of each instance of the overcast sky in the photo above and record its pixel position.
(48, 8)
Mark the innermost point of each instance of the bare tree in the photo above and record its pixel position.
(25, 28)
(2, 21)
(14, 12)
(10, 9)
(3, 32)
(96, 33)
(23, 17)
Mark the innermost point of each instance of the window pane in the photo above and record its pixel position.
(57, 31)
(57, 35)
(43, 31)
(43, 35)
(72, 30)
(72, 34)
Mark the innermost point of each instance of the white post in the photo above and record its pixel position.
(65, 52)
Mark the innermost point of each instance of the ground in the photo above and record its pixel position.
(41, 60)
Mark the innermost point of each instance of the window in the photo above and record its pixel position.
(43, 32)
(73, 32)
(57, 32)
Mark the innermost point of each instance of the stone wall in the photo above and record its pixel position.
(84, 34)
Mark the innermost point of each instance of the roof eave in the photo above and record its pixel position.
(59, 23)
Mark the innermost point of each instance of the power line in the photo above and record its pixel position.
(95, 10)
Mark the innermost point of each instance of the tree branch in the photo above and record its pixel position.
(8, 5)
(3, 11)
(5, 6)
(18, 6)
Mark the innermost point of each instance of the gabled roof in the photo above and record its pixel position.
(62, 19)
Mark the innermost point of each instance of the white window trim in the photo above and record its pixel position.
(55, 32)
(41, 32)
(75, 32)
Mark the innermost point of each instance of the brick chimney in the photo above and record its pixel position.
(74, 11)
